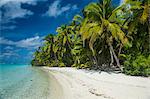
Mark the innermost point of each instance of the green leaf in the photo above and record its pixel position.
(64, 40)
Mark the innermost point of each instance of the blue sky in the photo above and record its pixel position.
(24, 23)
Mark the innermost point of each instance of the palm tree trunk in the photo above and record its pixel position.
(120, 50)
(111, 56)
(94, 56)
(115, 56)
(96, 62)
(56, 58)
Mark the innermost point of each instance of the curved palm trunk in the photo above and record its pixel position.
(120, 49)
(111, 56)
(94, 58)
(96, 62)
(56, 58)
(115, 56)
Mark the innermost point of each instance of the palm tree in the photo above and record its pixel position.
(99, 23)
(63, 33)
(140, 15)
(49, 41)
(62, 45)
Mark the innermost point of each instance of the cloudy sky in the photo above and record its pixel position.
(24, 23)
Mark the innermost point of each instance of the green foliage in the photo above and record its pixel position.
(138, 65)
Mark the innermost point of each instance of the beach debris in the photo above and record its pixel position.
(94, 91)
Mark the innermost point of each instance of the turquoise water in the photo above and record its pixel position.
(23, 82)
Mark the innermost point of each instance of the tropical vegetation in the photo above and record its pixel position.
(104, 37)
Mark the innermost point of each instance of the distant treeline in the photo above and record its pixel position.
(104, 37)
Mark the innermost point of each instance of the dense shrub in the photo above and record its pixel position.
(137, 66)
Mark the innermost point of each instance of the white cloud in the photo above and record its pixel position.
(29, 43)
(56, 9)
(33, 2)
(11, 27)
(12, 9)
(0, 15)
(8, 54)
(6, 41)
(8, 48)
(74, 7)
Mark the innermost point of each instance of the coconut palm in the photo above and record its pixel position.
(140, 15)
(99, 23)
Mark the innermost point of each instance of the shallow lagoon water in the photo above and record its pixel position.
(23, 82)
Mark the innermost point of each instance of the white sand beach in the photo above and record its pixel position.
(70, 83)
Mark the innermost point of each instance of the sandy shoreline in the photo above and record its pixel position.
(70, 83)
